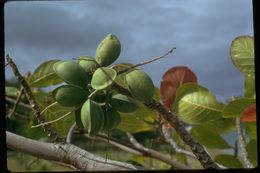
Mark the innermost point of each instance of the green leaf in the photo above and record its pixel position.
(11, 91)
(252, 151)
(251, 130)
(194, 104)
(139, 120)
(236, 107)
(242, 54)
(156, 94)
(209, 138)
(221, 126)
(44, 75)
(249, 90)
(228, 161)
(62, 126)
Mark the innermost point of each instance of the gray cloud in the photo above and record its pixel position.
(201, 30)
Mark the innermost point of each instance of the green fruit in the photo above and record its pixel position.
(108, 50)
(92, 117)
(71, 73)
(103, 78)
(112, 119)
(140, 85)
(78, 118)
(89, 65)
(123, 103)
(120, 78)
(69, 95)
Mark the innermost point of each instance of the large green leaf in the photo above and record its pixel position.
(194, 104)
(44, 75)
(249, 89)
(251, 130)
(252, 151)
(138, 120)
(62, 126)
(236, 107)
(209, 138)
(242, 54)
(228, 161)
(221, 126)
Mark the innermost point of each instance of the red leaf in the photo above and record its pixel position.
(172, 80)
(249, 114)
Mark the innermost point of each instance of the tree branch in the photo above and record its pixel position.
(65, 153)
(197, 149)
(167, 136)
(17, 101)
(9, 99)
(138, 150)
(242, 145)
(156, 154)
(37, 111)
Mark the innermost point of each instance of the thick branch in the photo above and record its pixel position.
(242, 145)
(65, 153)
(37, 111)
(197, 149)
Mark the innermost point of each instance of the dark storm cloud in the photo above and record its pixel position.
(201, 30)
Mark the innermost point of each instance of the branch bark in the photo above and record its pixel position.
(167, 136)
(52, 133)
(242, 145)
(197, 149)
(65, 153)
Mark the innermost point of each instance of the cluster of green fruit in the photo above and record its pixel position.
(89, 84)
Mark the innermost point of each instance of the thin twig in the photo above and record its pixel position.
(197, 149)
(20, 116)
(9, 99)
(47, 128)
(52, 121)
(156, 153)
(70, 133)
(17, 101)
(147, 62)
(167, 136)
(138, 151)
(242, 145)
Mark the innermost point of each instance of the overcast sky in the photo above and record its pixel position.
(201, 30)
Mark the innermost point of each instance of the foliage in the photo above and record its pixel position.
(88, 97)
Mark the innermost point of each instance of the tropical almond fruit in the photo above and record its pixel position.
(108, 50)
(112, 119)
(88, 64)
(69, 95)
(103, 78)
(71, 73)
(92, 117)
(123, 103)
(140, 85)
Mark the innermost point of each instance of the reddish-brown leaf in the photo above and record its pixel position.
(172, 80)
(249, 114)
